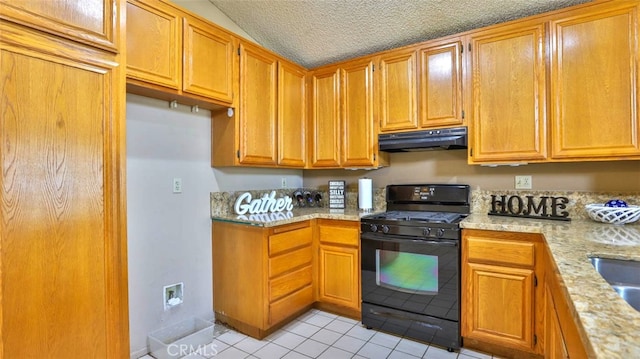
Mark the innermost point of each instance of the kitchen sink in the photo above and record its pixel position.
(623, 275)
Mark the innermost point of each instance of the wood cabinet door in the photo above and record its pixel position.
(508, 94)
(397, 91)
(208, 55)
(554, 346)
(324, 132)
(92, 22)
(292, 117)
(359, 140)
(339, 276)
(498, 305)
(63, 235)
(154, 44)
(257, 109)
(441, 85)
(594, 83)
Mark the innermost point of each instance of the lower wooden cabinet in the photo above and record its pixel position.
(261, 276)
(265, 276)
(562, 339)
(339, 264)
(501, 300)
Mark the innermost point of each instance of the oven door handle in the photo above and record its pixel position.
(379, 238)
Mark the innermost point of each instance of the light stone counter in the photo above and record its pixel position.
(609, 326)
(297, 215)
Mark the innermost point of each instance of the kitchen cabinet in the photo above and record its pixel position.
(292, 115)
(594, 97)
(174, 55)
(262, 277)
(501, 302)
(562, 339)
(420, 87)
(397, 88)
(324, 118)
(268, 127)
(339, 265)
(441, 83)
(63, 229)
(508, 93)
(94, 22)
(343, 132)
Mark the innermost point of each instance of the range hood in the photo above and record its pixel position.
(436, 139)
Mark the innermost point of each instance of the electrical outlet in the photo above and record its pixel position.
(523, 182)
(284, 182)
(177, 185)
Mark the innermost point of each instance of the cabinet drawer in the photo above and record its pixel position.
(286, 241)
(288, 261)
(500, 252)
(344, 235)
(288, 283)
(290, 304)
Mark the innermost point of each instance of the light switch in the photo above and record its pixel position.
(523, 182)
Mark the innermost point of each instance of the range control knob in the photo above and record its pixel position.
(385, 229)
(440, 232)
(426, 231)
(373, 228)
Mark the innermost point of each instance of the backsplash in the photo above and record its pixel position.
(222, 202)
(481, 199)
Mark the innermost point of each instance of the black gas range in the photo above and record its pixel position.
(411, 263)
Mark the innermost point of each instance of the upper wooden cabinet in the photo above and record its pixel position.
(359, 138)
(257, 107)
(208, 55)
(171, 54)
(343, 131)
(397, 90)
(268, 128)
(154, 43)
(508, 94)
(594, 83)
(324, 119)
(292, 115)
(441, 84)
(420, 87)
(92, 22)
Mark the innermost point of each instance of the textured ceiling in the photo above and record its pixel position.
(317, 32)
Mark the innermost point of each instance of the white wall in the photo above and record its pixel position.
(169, 235)
(208, 11)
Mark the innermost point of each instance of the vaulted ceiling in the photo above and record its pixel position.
(316, 32)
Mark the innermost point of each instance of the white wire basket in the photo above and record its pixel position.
(614, 215)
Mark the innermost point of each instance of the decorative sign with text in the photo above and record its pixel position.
(542, 207)
(336, 194)
(267, 203)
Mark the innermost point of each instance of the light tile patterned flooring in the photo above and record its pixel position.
(318, 334)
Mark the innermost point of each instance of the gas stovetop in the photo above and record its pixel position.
(421, 211)
(418, 216)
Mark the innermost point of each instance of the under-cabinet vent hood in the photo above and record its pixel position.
(436, 139)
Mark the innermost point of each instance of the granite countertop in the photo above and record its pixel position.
(609, 326)
(297, 215)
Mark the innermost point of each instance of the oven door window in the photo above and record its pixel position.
(406, 272)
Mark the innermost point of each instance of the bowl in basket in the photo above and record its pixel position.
(614, 215)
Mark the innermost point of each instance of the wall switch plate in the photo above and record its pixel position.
(284, 182)
(177, 185)
(523, 182)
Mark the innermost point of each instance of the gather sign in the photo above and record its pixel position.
(245, 203)
(543, 207)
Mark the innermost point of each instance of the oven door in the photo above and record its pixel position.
(411, 275)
